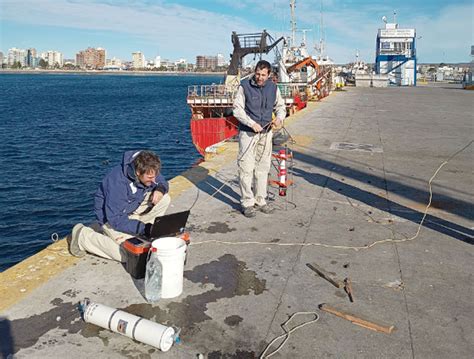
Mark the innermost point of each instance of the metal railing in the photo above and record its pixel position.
(210, 93)
(289, 90)
(217, 91)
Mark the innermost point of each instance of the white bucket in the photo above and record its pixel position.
(132, 326)
(171, 252)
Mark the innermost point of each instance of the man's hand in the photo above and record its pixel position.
(157, 196)
(277, 124)
(257, 128)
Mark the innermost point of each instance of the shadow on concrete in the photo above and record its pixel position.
(6, 339)
(206, 183)
(446, 203)
(440, 225)
(399, 175)
(453, 88)
(140, 285)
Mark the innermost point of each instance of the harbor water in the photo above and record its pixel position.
(60, 134)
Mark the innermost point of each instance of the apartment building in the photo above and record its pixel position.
(91, 58)
(138, 60)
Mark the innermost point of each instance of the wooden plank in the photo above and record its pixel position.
(323, 274)
(356, 320)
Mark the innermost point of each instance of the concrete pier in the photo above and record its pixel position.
(363, 159)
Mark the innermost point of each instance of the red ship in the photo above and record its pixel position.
(211, 105)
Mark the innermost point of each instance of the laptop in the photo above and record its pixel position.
(169, 225)
(135, 250)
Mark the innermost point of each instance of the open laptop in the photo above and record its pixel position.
(169, 225)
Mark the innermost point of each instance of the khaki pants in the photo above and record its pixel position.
(107, 245)
(254, 161)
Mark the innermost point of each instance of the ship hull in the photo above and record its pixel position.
(209, 131)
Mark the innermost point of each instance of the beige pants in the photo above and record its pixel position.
(254, 161)
(107, 245)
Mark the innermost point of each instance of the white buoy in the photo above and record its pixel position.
(132, 326)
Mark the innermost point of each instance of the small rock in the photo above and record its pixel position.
(58, 318)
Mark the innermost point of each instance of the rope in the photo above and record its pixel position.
(288, 332)
(356, 248)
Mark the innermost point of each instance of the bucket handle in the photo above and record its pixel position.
(152, 249)
(186, 238)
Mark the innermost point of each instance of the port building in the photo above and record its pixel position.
(396, 54)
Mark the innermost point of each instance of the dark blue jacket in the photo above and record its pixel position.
(120, 194)
(259, 102)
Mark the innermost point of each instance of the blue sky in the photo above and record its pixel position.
(184, 28)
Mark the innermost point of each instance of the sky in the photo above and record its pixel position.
(185, 28)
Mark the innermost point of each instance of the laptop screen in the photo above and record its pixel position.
(169, 225)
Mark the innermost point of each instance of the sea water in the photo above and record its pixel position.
(61, 133)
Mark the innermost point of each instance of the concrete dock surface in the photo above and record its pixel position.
(362, 162)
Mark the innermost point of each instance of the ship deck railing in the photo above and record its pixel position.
(210, 95)
(221, 95)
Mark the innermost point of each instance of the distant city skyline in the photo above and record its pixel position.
(185, 29)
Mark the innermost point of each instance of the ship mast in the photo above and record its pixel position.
(304, 31)
(321, 32)
(293, 23)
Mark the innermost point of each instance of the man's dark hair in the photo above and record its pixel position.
(262, 64)
(147, 161)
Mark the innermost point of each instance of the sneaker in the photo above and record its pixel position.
(264, 209)
(249, 212)
(73, 241)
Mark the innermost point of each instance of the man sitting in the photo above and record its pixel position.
(127, 202)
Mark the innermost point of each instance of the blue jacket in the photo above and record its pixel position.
(120, 194)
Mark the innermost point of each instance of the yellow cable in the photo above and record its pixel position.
(356, 248)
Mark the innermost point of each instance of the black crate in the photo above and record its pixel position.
(134, 256)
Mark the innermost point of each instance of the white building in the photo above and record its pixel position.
(396, 54)
(149, 64)
(158, 61)
(138, 60)
(54, 58)
(16, 55)
(167, 63)
(114, 62)
(221, 60)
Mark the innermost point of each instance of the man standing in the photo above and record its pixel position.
(126, 204)
(254, 104)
